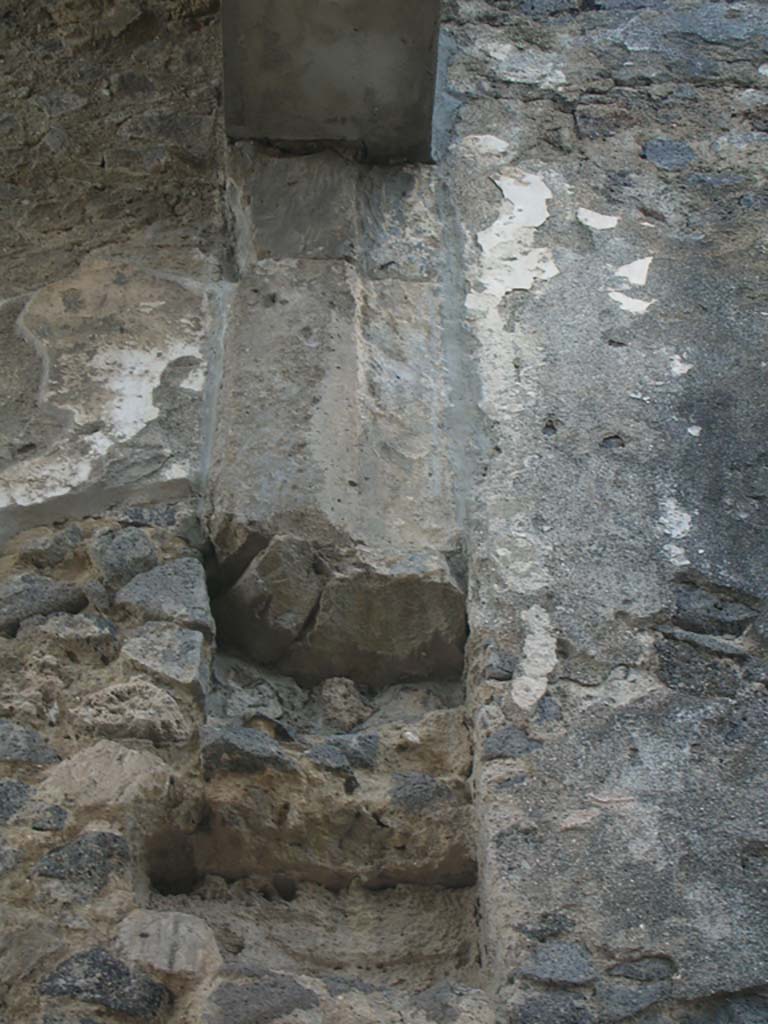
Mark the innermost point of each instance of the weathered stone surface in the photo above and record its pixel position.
(13, 795)
(79, 634)
(236, 749)
(341, 705)
(704, 612)
(266, 998)
(47, 549)
(125, 350)
(172, 592)
(120, 555)
(381, 619)
(9, 857)
(136, 709)
(268, 606)
(95, 976)
(169, 654)
(110, 776)
(175, 944)
(668, 154)
(49, 819)
(24, 596)
(23, 745)
(87, 863)
(560, 963)
(414, 791)
(508, 742)
(554, 1008)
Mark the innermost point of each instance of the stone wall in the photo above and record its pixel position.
(382, 599)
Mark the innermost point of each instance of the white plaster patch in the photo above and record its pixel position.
(485, 145)
(538, 661)
(596, 221)
(630, 305)
(637, 271)
(678, 366)
(694, 430)
(105, 336)
(763, 70)
(675, 521)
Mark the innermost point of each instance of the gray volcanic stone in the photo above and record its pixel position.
(359, 748)
(95, 976)
(414, 791)
(119, 555)
(668, 154)
(23, 596)
(87, 862)
(619, 1001)
(20, 743)
(327, 756)
(13, 795)
(173, 592)
(509, 741)
(554, 1008)
(692, 670)
(50, 819)
(238, 749)
(646, 968)
(702, 612)
(170, 654)
(9, 857)
(267, 998)
(560, 963)
(51, 549)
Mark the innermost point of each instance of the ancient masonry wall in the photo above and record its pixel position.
(382, 593)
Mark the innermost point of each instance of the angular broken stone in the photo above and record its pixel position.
(382, 619)
(560, 963)
(136, 709)
(173, 943)
(668, 154)
(169, 653)
(87, 862)
(23, 596)
(270, 603)
(22, 744)
(237, 749)
(701, 611)
(173, 592)
(119, 555)
(95, 976)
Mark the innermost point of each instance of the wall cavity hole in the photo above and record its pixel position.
(285, 888)
(170, 863)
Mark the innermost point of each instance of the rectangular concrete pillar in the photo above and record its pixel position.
(356, 71)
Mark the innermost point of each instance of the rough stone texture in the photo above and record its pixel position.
(135, 709)
(21, 597)
(120, 556)
(174, 592)
(95, 976)
(169, 654)
(178, 945)
(23, 745)
(86, 863)
(266, 998)
(13, 795)
(521, 389)
(341, 706)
